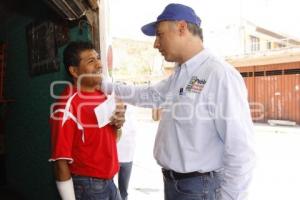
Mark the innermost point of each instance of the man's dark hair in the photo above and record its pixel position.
(71, 55)
(195, 30)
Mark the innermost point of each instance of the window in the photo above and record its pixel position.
(43, 39)
(269, 45)
(244, 74)
(273, 72)
(259, 73)
(254, 43)
(280, 45)
(292, 71)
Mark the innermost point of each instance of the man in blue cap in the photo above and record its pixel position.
(204, 141)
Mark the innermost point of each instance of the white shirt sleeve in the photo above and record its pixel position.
(235, 128)
(143, 96)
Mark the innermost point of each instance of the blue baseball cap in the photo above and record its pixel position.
(173, 12)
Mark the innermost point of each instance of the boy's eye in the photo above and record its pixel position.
(92, 60)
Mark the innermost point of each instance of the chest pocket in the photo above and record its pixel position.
(183, 108)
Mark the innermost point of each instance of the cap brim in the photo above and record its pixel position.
(149, 29)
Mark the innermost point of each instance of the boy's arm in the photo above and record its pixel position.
(64, 180)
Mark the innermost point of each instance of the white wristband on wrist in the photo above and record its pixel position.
(66, 189)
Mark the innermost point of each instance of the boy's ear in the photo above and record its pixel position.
(73, 71)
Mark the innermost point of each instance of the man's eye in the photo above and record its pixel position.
(159, 34)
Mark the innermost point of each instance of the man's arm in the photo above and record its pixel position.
(64, 180)
(235, 128)
(143, 96)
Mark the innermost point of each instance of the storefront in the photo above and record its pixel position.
(34, 34)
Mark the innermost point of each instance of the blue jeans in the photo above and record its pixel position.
(123, 178)
(88, 188)
(206, 187)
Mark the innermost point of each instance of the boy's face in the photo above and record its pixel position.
(88, 72)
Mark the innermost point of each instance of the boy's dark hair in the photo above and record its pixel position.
(71, 54)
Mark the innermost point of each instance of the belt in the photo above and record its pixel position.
(175, 175)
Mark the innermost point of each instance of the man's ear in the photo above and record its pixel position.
(73, 71)
(182, 26)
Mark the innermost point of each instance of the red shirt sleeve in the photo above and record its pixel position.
(62, 136)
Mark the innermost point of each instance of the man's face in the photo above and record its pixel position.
(89, 70)
(166, 40)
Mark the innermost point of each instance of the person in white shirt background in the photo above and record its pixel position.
(126, 147)
(205, 137)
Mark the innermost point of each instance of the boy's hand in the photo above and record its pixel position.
(118, 117)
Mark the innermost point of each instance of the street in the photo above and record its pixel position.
(276, 175)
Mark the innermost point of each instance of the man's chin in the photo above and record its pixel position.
(168, 59)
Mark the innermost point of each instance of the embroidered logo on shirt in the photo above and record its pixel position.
(195, 85)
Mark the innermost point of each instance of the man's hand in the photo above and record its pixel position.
(118, 117)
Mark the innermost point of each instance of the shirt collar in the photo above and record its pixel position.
(193, 63)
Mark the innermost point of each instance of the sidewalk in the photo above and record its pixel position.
(259, 127)
(276, 175)
(146, 179)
